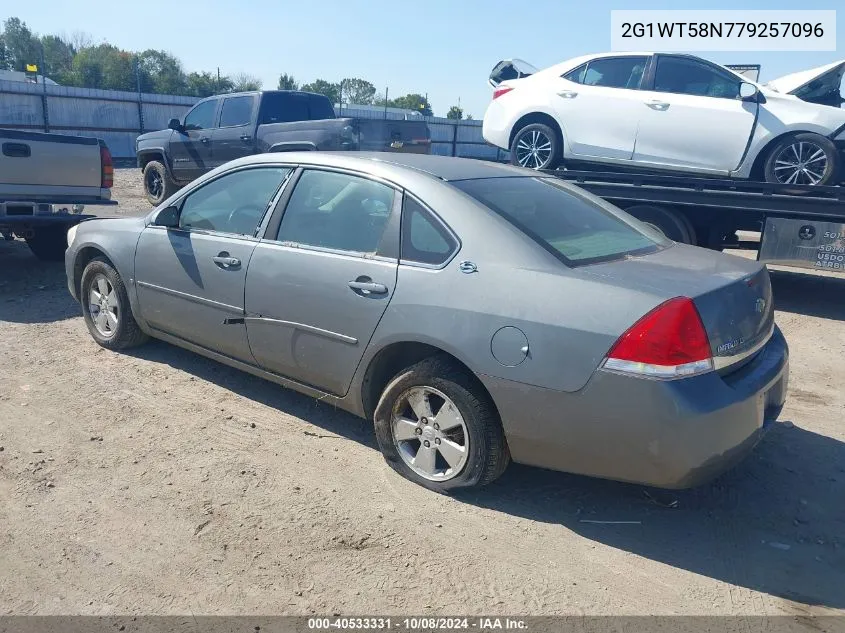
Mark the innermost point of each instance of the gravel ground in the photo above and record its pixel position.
(157, 482)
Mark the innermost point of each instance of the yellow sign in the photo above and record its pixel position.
(31, 68)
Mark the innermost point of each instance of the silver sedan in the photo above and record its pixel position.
(476, 312)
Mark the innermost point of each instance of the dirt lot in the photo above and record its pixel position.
(159, 482)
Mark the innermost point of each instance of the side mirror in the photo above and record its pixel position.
(167, 217)
(747, 91)
(174, 124)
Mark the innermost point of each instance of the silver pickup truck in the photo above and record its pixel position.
(45, 181)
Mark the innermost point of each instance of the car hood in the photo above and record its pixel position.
(150, 137)
(817, 85)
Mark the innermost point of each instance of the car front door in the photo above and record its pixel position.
(234, 137)
(598, 104)
(190, 147)
(190, 278)
(693, 117)
(320, 281)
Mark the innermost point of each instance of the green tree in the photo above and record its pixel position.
(21, 46)
(58, 59)
(105, 67)
(287, 82)
(413, 101)
(358, 91)
(455, 112)
(323, 87)
(469, 117)
(161, 73)
(244, 82)
(205, 84)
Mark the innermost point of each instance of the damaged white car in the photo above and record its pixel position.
(671, 113)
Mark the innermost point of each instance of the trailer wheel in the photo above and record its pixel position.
(670, 223)
(49, 244)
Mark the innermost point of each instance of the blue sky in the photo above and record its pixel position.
(443, 47)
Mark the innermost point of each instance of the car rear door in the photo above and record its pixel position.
(190, 147)
(598, 104)
(190, 279)
(692, 117)
(234, 136)
(320, 281)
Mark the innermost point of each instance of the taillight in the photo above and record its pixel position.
(498, 92)
(106, 168)
(668, 342)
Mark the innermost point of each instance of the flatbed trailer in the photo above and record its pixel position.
(800, 225)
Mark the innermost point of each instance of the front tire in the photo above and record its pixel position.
(805, 158)
(536, 146)
(158, 185)
(437, 427)
(106, 309)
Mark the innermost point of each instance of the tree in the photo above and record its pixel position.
(21, 47)
(161, 73)
(243, 82)
(469, 117)
(287, 82)
(358, 91)
(455, 112)
(205, 84)
(58, 59)
(323, 87)
(413, 101)
(105, 67)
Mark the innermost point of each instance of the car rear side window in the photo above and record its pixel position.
(574, 226)
(236, 111)
(202, 116)
(424, 239)
(611, 72)
(338, 212)
(284, 107)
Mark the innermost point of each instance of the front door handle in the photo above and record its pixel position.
(204, 140)
(368, 287)
(567, 94)
(225, 261)
(246, 138)
(654, 104)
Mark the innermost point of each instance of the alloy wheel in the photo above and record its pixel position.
(154, 183)
(533, 149)
(430, 433)
(103, 306)
(801, 163)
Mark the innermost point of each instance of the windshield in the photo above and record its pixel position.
(576, 227)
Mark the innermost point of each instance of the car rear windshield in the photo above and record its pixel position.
(573, 225)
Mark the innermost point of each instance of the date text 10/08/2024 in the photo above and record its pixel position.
(417, 623)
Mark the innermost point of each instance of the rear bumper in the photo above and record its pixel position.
(669, 434)
(496, 128)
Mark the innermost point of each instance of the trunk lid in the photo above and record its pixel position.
(386, 135)
(733, 295)
(817, 85)
(510, 69)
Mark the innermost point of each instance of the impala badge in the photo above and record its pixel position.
(760, 305)
(468, 267)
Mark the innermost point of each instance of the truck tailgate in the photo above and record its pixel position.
(385, 135)
(50, 167)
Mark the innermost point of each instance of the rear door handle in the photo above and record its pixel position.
(567, 94)
(368, 287)
(225, 261)
(654, 104)
(246, 137)
(204, 139)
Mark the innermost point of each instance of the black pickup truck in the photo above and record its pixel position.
(225, 127)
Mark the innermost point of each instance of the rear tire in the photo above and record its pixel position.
(117, 329)
(536, 146)
(673, 225)
(158, 185)
(815, 153)
(49, 244)
(479, 432)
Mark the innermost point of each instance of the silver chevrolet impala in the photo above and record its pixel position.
(476, 312)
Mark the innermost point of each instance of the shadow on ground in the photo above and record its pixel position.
(775, 524)
(809, 294)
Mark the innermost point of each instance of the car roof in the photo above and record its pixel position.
(445, 168)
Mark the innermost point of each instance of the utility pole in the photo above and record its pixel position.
(44, 91)
(386, 90)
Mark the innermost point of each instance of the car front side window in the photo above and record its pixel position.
(612, 72)
(234, 203)
(202, 116)
(690, 77)
(338, 212)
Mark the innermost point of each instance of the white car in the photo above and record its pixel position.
(670, 112)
